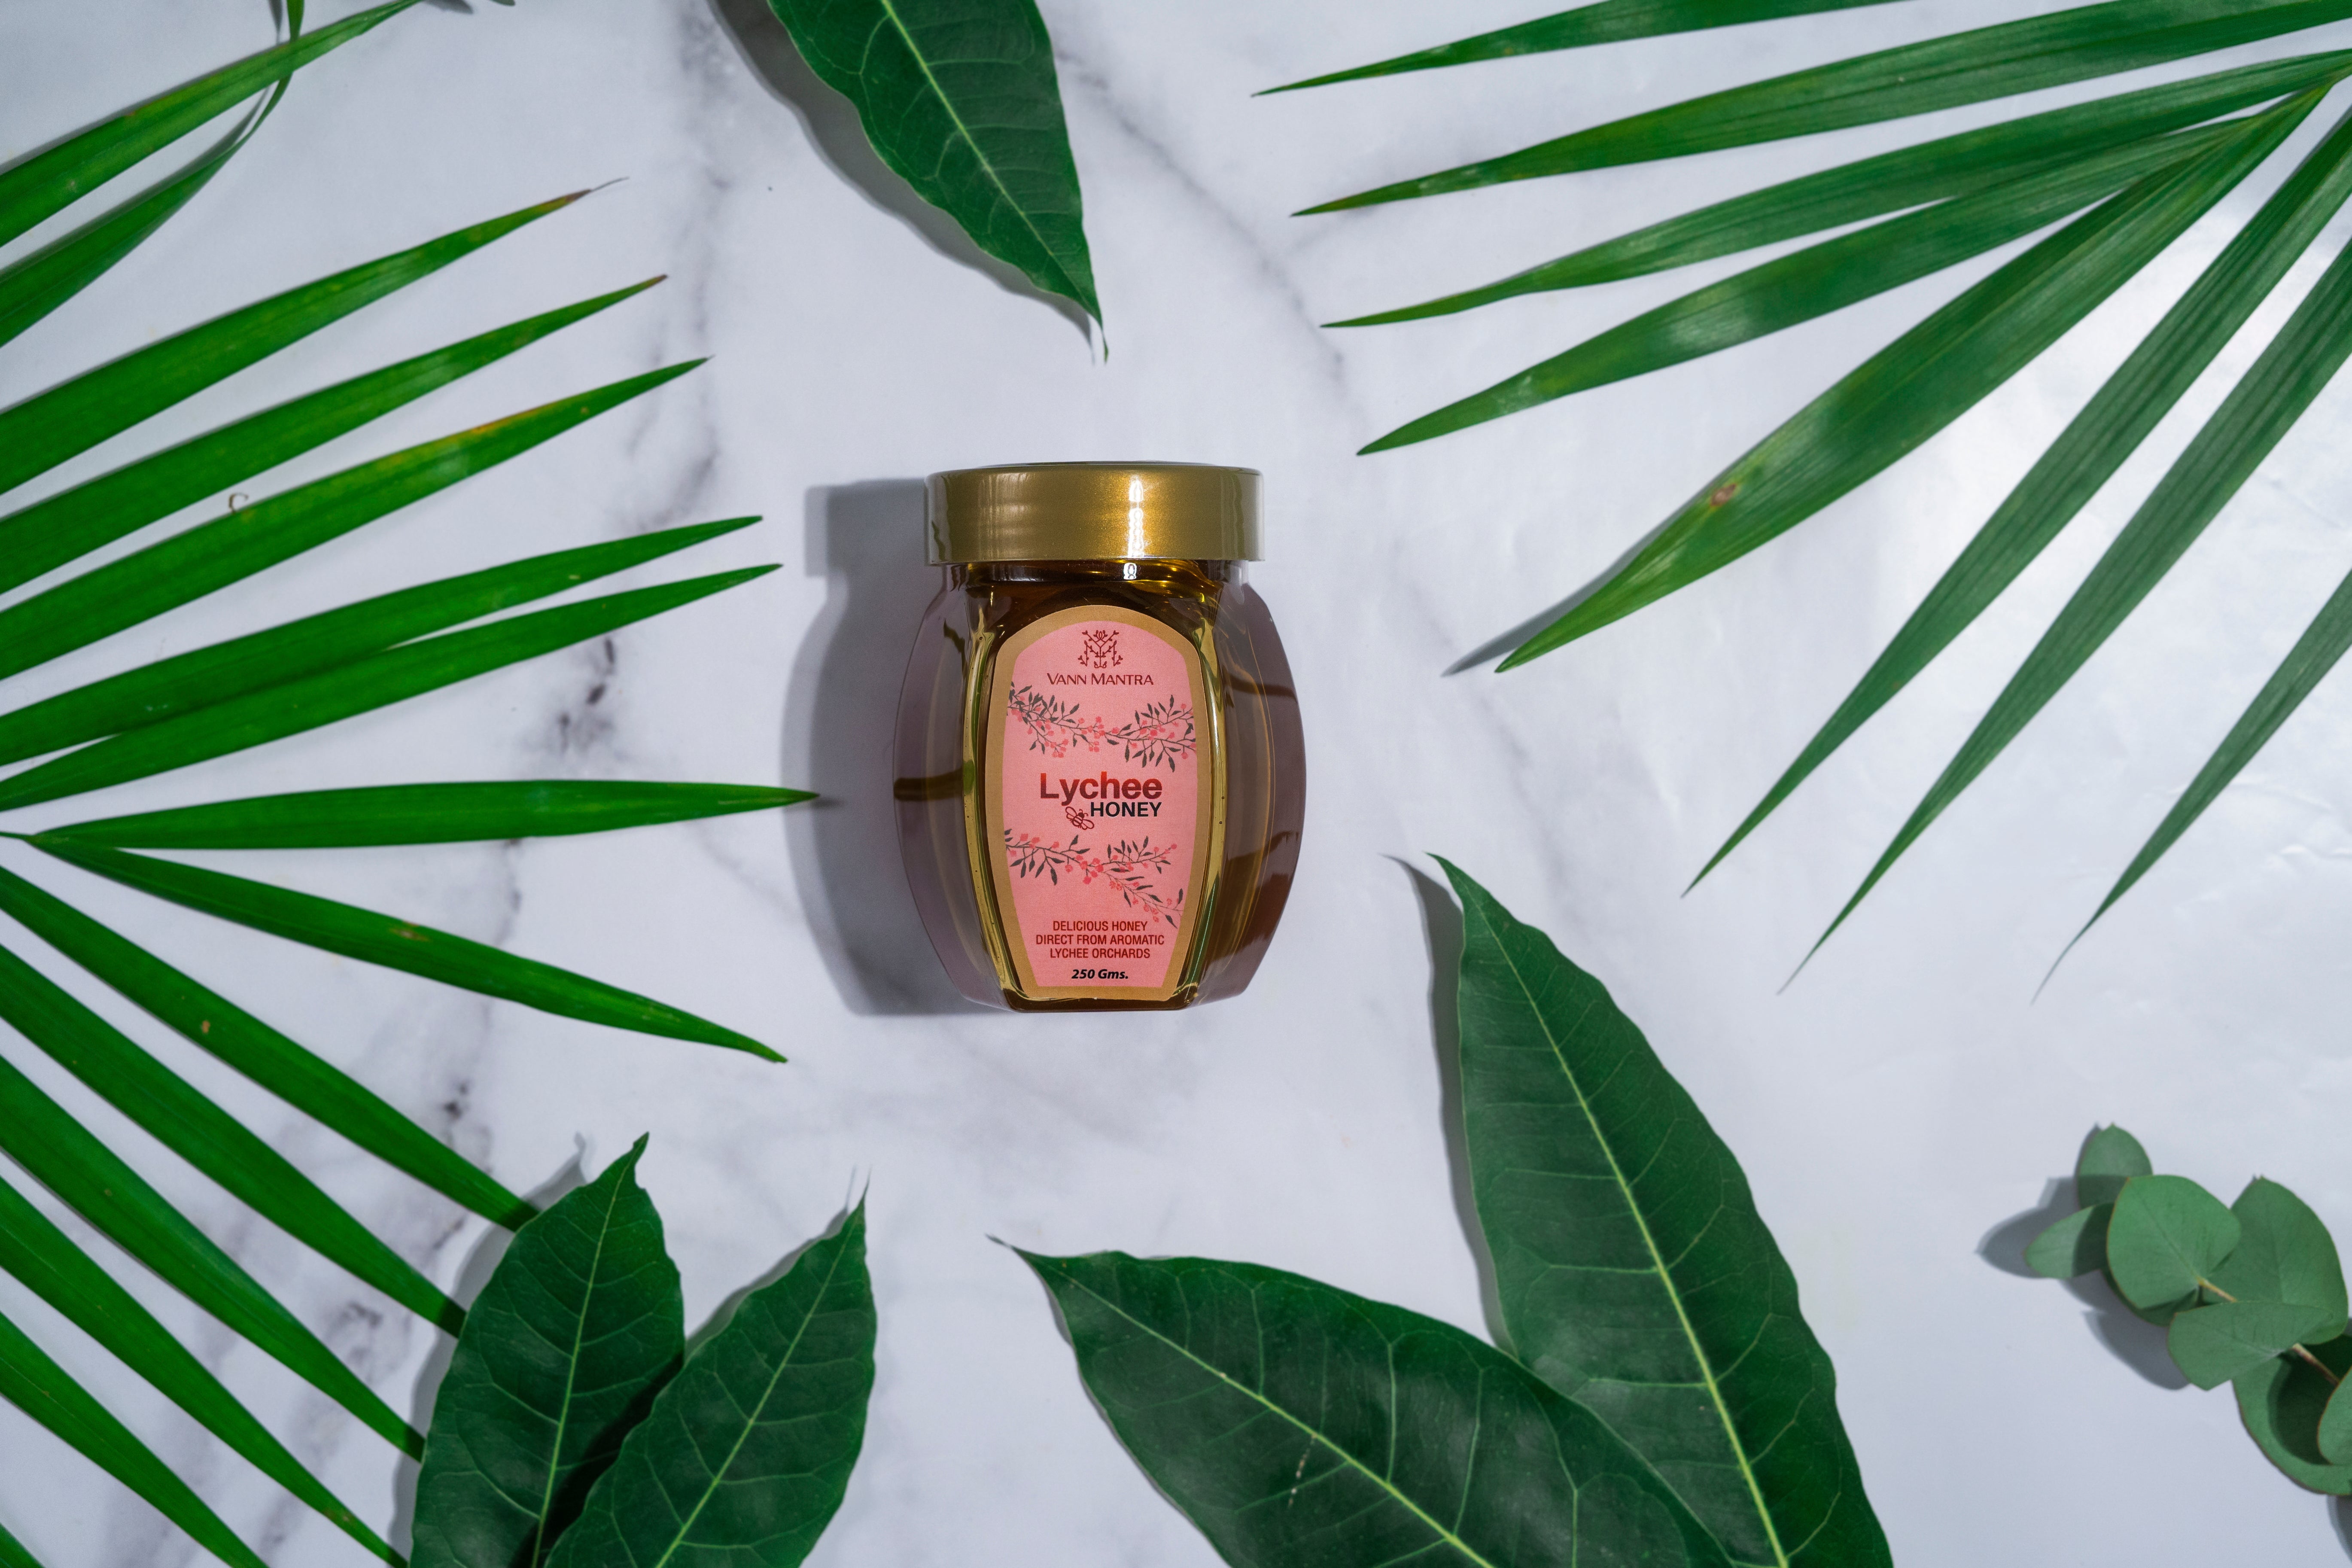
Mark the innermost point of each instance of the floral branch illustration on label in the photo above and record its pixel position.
(1160, 733)
(1127, 866)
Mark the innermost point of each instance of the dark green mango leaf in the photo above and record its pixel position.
(1607, 22)
(425, 814)
(38, 1254)
(60, 528)
(38, 1386)
(92, 1181)
(746, 1453)
(400, 944)
(580, 1326)
(187, 566)
(2282, 1401)
(2024, 56)
(218, 1025)
(50, 181)
(960, 97)
(1935, 171)
(2075, 1246)
(2256, 415)
(330, 696)
(2093, 447)
(1634, 1272)
(2214, 1345)
(205, 676)
(76, 414)
(1297, 1424)
(1793, 290)
(183, 1120)
(1922, 381)
(2110, 1157)
(2167, 1238)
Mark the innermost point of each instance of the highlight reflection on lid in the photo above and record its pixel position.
(1093, 511)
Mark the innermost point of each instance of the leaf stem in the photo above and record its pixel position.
(2317, 1364)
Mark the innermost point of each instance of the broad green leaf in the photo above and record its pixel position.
(2335, 1428)
(580, 1326)
(1607, 22)
(2214, 1345)
(2076, 1245)
(2167, 1237)
(218, 1025)
(183, 1120)
(744, 1457)
(1820, 279)
(188, 566)
(378, 680)
(1634, 1272)
(2024, 56)
(38, 1386)
(56, 529)
(1950, 167)
(2282, 1401)
(92, 1181)
(76, 414)
(2284, 1254)
(2315, 653)
(399, 945)
(2256, 415)
(2093, 447)
(205, 676)
(960, 97)
(2110, 1157)
(39, 1256)
(1297, 1424)
(50, 181)
(425, 814)
(33, 286)
(1921, 382)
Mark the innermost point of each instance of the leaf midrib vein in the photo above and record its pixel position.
(1642, 1224)
(571, 1382)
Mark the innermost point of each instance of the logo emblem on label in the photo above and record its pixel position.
(1101, 650)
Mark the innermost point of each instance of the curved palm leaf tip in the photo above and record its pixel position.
(961, 99)
(2139, 168)
(216, 701)
(1665, 1401)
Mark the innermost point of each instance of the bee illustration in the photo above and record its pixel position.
(1084, 820)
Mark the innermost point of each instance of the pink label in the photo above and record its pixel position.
(1099, 788)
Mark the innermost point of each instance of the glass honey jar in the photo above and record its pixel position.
(1100, 771)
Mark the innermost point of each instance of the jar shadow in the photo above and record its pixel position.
(840, 718)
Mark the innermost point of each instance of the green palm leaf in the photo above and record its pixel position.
(92, 1181)
(377, 681)
(1935, 171)
(214, 1024)
(75, 414)
(1607, 22)
(57, 529)
(1814, 282)
(425, 814)
(187, 566)
(2082, 460)
(1999, 61)
(12, 1554)
(39, 1254)
(181, 1119)
(1923, 381)
(2260, 410)
(399, 945)
(50, 181)
(202, 677)
(38, 1386)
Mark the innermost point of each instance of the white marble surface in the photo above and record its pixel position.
(1895, 1106)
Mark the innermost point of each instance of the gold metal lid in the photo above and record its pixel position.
(1093, 511)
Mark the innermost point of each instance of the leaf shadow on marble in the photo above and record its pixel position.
(472, 1275)
(2130, 1339)
(831, 122)
(841, 706)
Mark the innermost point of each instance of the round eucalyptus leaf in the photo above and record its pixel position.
(2110, 1157)
(2075, 1245)
(2335, 1429)
(2168, 1234)
(2284, 1254)
(2281, 1401)
(2214, 1344)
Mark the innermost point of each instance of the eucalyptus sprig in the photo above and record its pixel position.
(2250, 1294)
